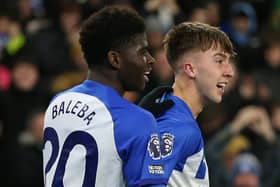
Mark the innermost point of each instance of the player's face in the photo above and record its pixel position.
(213, 73)
(136, 64)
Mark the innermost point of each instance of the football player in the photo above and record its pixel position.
(200, 56)
(92, 136)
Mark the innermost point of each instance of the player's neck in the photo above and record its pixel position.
(107, 78)
(187, 92)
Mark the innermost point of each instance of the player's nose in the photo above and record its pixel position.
(228, 70)
(150, 59)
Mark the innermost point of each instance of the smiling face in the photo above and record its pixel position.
(135, 64)
(213, 72)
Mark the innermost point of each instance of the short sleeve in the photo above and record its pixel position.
(138, 145)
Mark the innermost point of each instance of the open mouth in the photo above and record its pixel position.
(146, 76)
(221, 86)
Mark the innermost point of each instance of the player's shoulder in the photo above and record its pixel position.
(140, 111)
(183, 127)
(138, 114)
(133, 122)
(180, 121)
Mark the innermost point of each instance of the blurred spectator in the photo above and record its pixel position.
(209, 122)
(222, 148)
(186, 6)
(5, 78)
(12, 39)
(243, 22)
(213, 13)
(234, 147)
(70, 20)
(56, 47)
(242, 28)
(4, 32)
(165, 11)
(25, 12)
(268, 77)
(32, 135)
(246, 171)
(250, 130)
(275, 117)
(271, 162)
(26, 92)
(155, 32)
(198, 14)
(24, 164)
(243, 93)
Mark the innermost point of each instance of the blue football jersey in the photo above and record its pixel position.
(182, 147)
(94, 137)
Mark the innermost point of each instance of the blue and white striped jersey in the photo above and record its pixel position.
(182, 147)
(93, 137)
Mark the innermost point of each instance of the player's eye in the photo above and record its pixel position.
(219, 61)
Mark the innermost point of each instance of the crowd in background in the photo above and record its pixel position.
(40, 56)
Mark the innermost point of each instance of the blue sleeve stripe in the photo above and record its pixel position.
(201, 170)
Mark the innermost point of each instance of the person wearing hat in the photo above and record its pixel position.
(246, 171)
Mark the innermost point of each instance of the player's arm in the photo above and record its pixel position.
(139, 148)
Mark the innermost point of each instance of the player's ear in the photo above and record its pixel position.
(189, 69)
(114, 59)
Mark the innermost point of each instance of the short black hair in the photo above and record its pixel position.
(111, 28)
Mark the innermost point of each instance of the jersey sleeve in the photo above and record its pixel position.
(138, 145)
(193, 158)
(182, 148)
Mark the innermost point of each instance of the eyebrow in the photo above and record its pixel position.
(145, 48)
(220, 54)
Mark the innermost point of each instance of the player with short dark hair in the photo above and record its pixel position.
(92, 136)
(199, 55)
